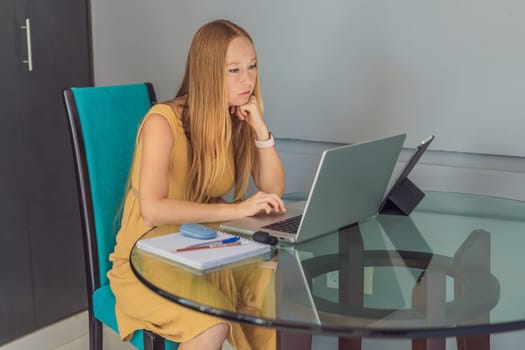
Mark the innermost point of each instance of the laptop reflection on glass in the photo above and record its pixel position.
(349, 186)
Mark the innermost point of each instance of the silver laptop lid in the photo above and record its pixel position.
(349, 185)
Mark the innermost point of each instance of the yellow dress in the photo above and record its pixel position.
(137, 307)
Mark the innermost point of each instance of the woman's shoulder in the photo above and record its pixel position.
(168, 110)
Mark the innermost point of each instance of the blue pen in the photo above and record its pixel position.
(217, 241)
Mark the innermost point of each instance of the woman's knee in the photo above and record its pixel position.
(211, 338)
(220, 330)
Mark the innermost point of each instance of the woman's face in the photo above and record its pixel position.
(241, 71)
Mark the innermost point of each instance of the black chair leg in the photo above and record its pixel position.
(95, 333)
(152, 341)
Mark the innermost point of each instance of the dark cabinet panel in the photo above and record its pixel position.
(42, 272)
(16, 296)
(60, 59)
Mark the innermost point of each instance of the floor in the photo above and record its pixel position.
(70, 334)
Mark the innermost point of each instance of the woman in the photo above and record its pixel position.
(189, 153)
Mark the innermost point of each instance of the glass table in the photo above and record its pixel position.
(450, 269)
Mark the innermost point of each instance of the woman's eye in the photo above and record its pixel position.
(253, 66)
(233, 70)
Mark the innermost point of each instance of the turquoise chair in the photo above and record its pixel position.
(103, 123)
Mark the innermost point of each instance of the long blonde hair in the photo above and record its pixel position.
(212, 132)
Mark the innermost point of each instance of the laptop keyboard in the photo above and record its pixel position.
(290, 225)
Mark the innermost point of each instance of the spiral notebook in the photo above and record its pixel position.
(203, 259)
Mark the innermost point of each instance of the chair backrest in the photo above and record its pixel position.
(103, 125)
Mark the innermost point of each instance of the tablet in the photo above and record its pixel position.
(421, 148)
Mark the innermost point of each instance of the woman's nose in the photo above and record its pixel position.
(247, 77)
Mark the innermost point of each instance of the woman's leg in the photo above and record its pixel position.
(212, 338)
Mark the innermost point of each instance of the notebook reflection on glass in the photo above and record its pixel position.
(349, 186)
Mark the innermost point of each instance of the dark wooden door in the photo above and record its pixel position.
(38, 202)
(16, 296)
(61, 58)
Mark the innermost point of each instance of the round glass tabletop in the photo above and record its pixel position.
(450, 268)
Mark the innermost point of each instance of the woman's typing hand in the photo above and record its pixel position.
(261, 202)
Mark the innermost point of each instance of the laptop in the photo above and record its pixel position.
(349, 186)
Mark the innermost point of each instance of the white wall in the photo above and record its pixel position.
(134, 40)
(350, 69)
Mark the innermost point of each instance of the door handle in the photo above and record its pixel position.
(29, 60)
